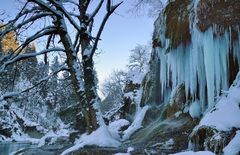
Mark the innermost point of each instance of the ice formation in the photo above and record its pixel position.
(202, 64)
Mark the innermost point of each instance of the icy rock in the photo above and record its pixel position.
(195, 109)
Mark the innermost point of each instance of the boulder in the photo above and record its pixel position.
(208, 138)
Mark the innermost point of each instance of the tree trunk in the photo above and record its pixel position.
(74, 69)
(88, 98)
(92, 99)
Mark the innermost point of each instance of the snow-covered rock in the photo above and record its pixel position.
(101, 137)
(217, 128)
(225, 115)
(116, 128)
(136, 124)
(195, 110)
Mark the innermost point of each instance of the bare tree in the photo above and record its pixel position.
(139, 58)
(53, 20)
(114, 84)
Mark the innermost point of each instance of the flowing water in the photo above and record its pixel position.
(10, 147)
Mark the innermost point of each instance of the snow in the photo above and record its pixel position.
(113, 111)
(226, 113)
(136, 76)
(129, 150)
(165, 145)
(87, 52)
(195, 110)
(136, 97)
(115, 126)
(78, 75)
(195, 153)
(9, 95)
(122, 154)
(173, 94)
(170, 142)
(101, 137)
(24, 138)
(177, 114)
(233, 147)
(137, 123)
(54, 136)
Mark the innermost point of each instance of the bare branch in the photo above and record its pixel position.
(68, 16)
(11, 27)
(104, 21)
(28, 55)
(45, 31)
(19, 15)
(45, 6)
(96, 10)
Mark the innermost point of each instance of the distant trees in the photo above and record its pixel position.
(153, 6)
(115, 83)
(60, 17)
(39, 102)
(113, 91)
(122, 88)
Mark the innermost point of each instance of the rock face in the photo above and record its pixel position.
(177, 22)
(222, 13)
(196, 54)
(192, 45)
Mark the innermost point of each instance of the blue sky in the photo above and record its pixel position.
(122, 33)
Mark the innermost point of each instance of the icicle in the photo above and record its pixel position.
(201, 64)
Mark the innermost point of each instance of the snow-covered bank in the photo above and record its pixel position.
(101, 137)
(109, 136)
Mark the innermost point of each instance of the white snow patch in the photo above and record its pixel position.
(195, 153)
(101, 137)
(137, 123)
(165, 145)
(87, 52)
(53, 136)
(177, 114)
(115, 126)
(122, 154)
(130, 149)
(24, 138)
(136, 76)
(8, 95)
